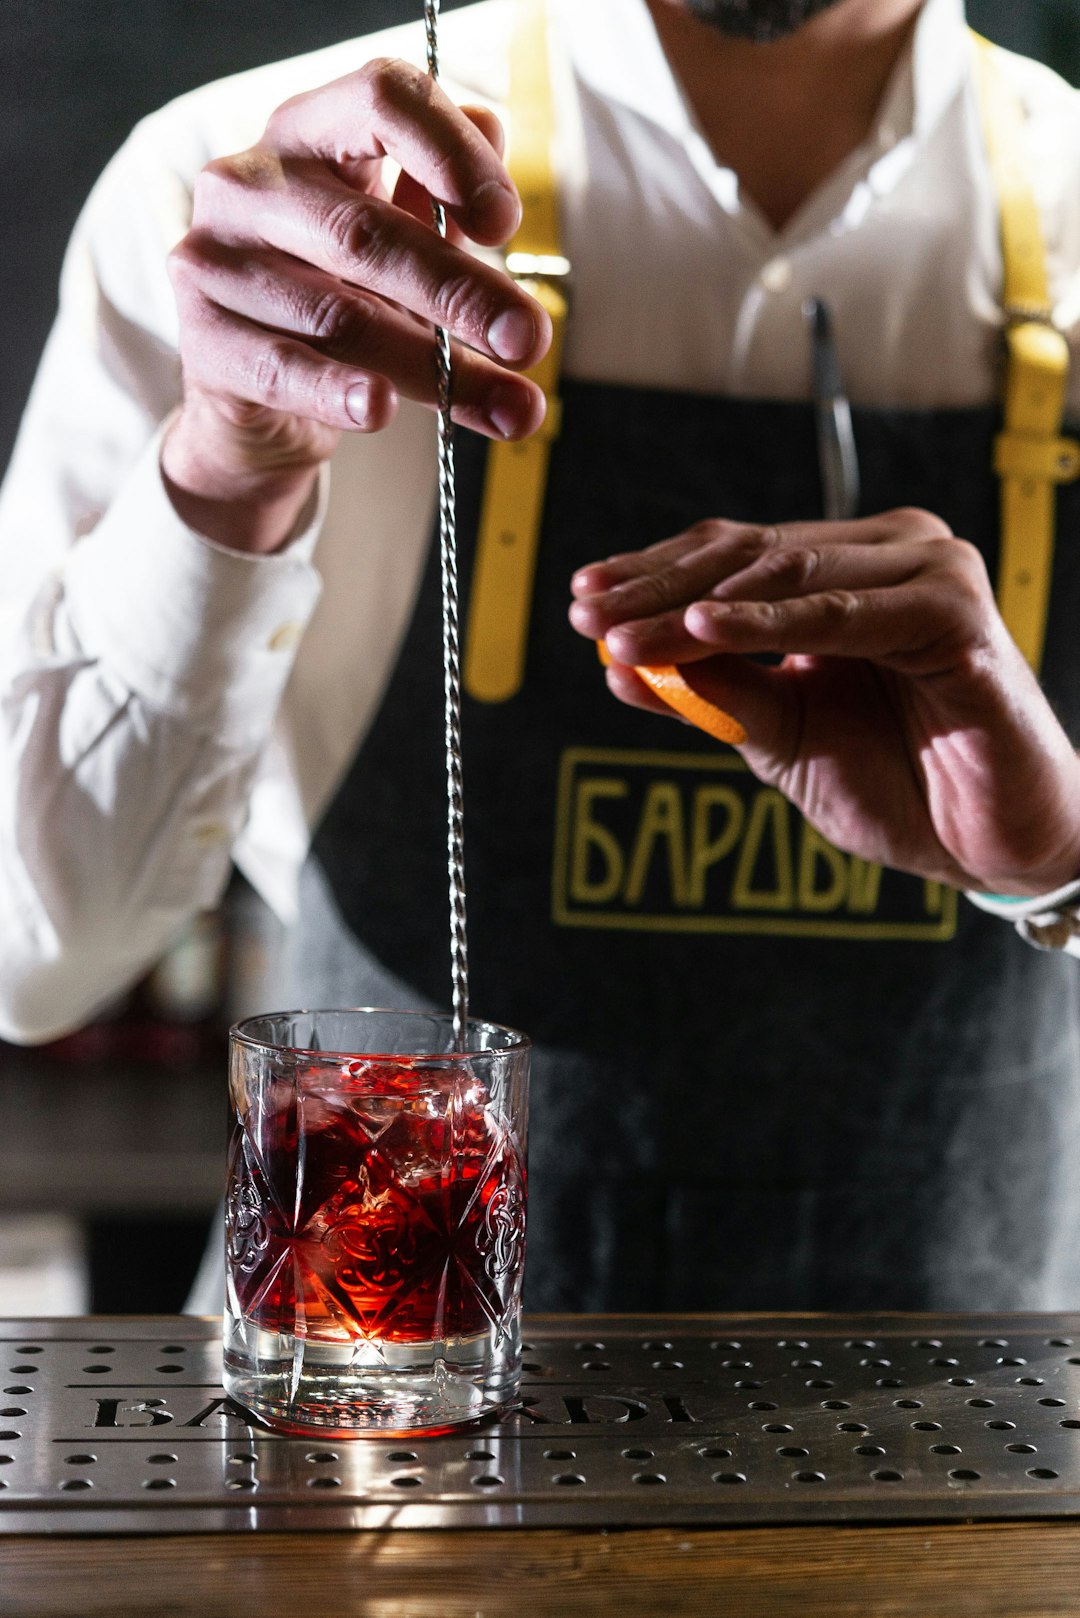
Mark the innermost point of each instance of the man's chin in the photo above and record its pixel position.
(759, 20)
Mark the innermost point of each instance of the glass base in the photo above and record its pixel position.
(385, 1390)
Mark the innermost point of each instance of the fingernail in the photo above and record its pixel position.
(628, 646)
(504, 415)
(358, 403)
(512, 334)
(494, 209)
(579, 581)
(702, 616)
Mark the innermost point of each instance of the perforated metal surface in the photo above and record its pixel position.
(121, 1426)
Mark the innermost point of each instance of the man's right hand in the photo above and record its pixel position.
(307, 296)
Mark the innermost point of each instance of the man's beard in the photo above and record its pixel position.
(759, 20)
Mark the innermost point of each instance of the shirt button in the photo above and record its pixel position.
(284, 638)
(777, 275)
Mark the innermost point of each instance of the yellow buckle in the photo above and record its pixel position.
(538, 266)
(1050, 460)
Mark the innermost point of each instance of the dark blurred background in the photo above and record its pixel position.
(112, 1142)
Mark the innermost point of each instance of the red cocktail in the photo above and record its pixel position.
(375, 1225)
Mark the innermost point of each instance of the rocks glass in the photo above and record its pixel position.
(375, 1221)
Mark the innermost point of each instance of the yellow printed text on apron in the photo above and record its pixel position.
(688, 842)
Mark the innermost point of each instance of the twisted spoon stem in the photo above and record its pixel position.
(451, 629)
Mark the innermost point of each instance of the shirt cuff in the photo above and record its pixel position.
(198, 631)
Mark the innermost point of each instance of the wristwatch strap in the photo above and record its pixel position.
(1049, 921)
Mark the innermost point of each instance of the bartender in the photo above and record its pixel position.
(780, 1063)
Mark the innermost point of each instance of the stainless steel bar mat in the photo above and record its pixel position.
(120, 1426)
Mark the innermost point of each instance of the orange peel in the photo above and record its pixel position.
(666, 682)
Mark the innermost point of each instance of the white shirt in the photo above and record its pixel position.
(166, 705)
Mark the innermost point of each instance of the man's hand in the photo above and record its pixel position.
(307, 295)
(902, 719)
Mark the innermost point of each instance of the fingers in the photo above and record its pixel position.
(723, 547)
(778, 575)
(298, 260)
(236, 361)
(316, 218)
(663, 638)
(922, 625)
(276, 296)
(393, 109)
(489, 125)
(731, 586)
(414, 199)
(657, 562)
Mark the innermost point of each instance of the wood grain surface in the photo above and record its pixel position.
(985, 1570)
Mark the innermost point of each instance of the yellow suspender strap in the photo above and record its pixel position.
(513, 501)
(1030, 455)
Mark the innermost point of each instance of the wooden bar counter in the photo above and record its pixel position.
(985, 1570)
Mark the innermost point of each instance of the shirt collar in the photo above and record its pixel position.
(929, 76)
(615, 50)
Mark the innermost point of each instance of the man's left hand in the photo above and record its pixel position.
(902, 720)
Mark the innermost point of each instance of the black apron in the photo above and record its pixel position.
(767, 1075)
